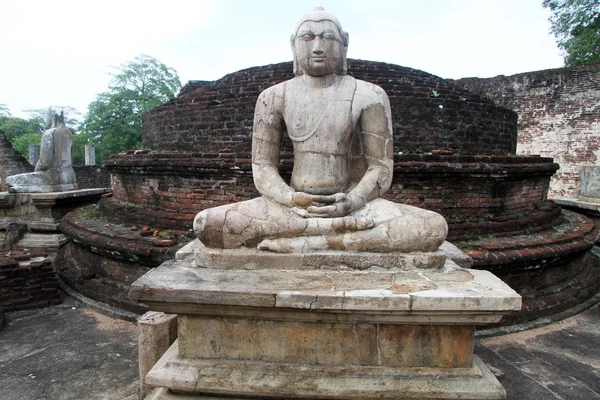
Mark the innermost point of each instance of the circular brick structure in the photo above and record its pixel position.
(429, 113)
(454, 154)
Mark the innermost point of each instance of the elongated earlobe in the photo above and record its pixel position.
(295, 58)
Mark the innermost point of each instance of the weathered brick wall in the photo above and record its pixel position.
(27, 281)
(11, 162)
(477, 194)
(559, 117)
(92, 176)
(428, 112)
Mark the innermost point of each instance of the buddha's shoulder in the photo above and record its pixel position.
(368, 89)
(272, 98)
(275, 90)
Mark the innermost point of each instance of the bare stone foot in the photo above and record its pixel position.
(294, 245)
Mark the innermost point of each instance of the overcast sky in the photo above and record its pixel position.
(61, 52)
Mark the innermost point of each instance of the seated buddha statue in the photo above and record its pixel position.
(341, 131)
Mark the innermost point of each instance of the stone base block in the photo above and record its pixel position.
(42, 211)
(47, 242)
(157, 332)
(197, 378)
(325, 343)
(43, 188)
(285, 333)
(249, 259)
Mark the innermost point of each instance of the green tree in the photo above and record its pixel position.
(14, 127)
(4, 111)
(114, 120)
(21, 143)
(576, 26)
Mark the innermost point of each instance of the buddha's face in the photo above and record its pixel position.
(318, 48)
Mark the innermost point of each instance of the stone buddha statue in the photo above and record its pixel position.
(341, 130)
(54, 169)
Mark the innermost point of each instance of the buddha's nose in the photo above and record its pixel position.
(318, 46)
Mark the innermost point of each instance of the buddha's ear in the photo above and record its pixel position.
(295, 59)
(345, 50)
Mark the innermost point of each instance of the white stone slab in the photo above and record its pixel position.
(374, 290)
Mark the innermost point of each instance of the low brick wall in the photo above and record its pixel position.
(92, 176)
(11, 162)
(27, 281)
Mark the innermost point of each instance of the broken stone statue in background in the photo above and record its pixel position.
(54, 169)
(38, 200)
(320, 288)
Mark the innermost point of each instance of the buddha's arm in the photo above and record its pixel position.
(265, 159)
(266, 138)
(377, 139)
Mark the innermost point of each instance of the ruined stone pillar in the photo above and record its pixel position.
(90, 154)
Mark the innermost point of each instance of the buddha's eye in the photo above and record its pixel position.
(307, 37)
(328, 36)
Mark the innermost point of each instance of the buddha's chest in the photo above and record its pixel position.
(320, 120)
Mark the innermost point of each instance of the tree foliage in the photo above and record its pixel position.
(4, 111)
(113, 122)
(14, 127)
(21, 143)
(576, 26)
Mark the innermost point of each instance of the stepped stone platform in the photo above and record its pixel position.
(285, 332)
(553, 269)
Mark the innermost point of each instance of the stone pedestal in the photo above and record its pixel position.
(382, 332)
(590, 207)
(41, 213)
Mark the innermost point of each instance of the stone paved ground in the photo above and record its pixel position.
(558, 361)
(71, 352)
(67, 352)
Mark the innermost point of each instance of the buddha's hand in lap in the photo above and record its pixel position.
(335, 205)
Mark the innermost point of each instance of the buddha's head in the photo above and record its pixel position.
(319, 44)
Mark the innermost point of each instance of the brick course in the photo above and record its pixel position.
(477, 194)
(91, 176)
